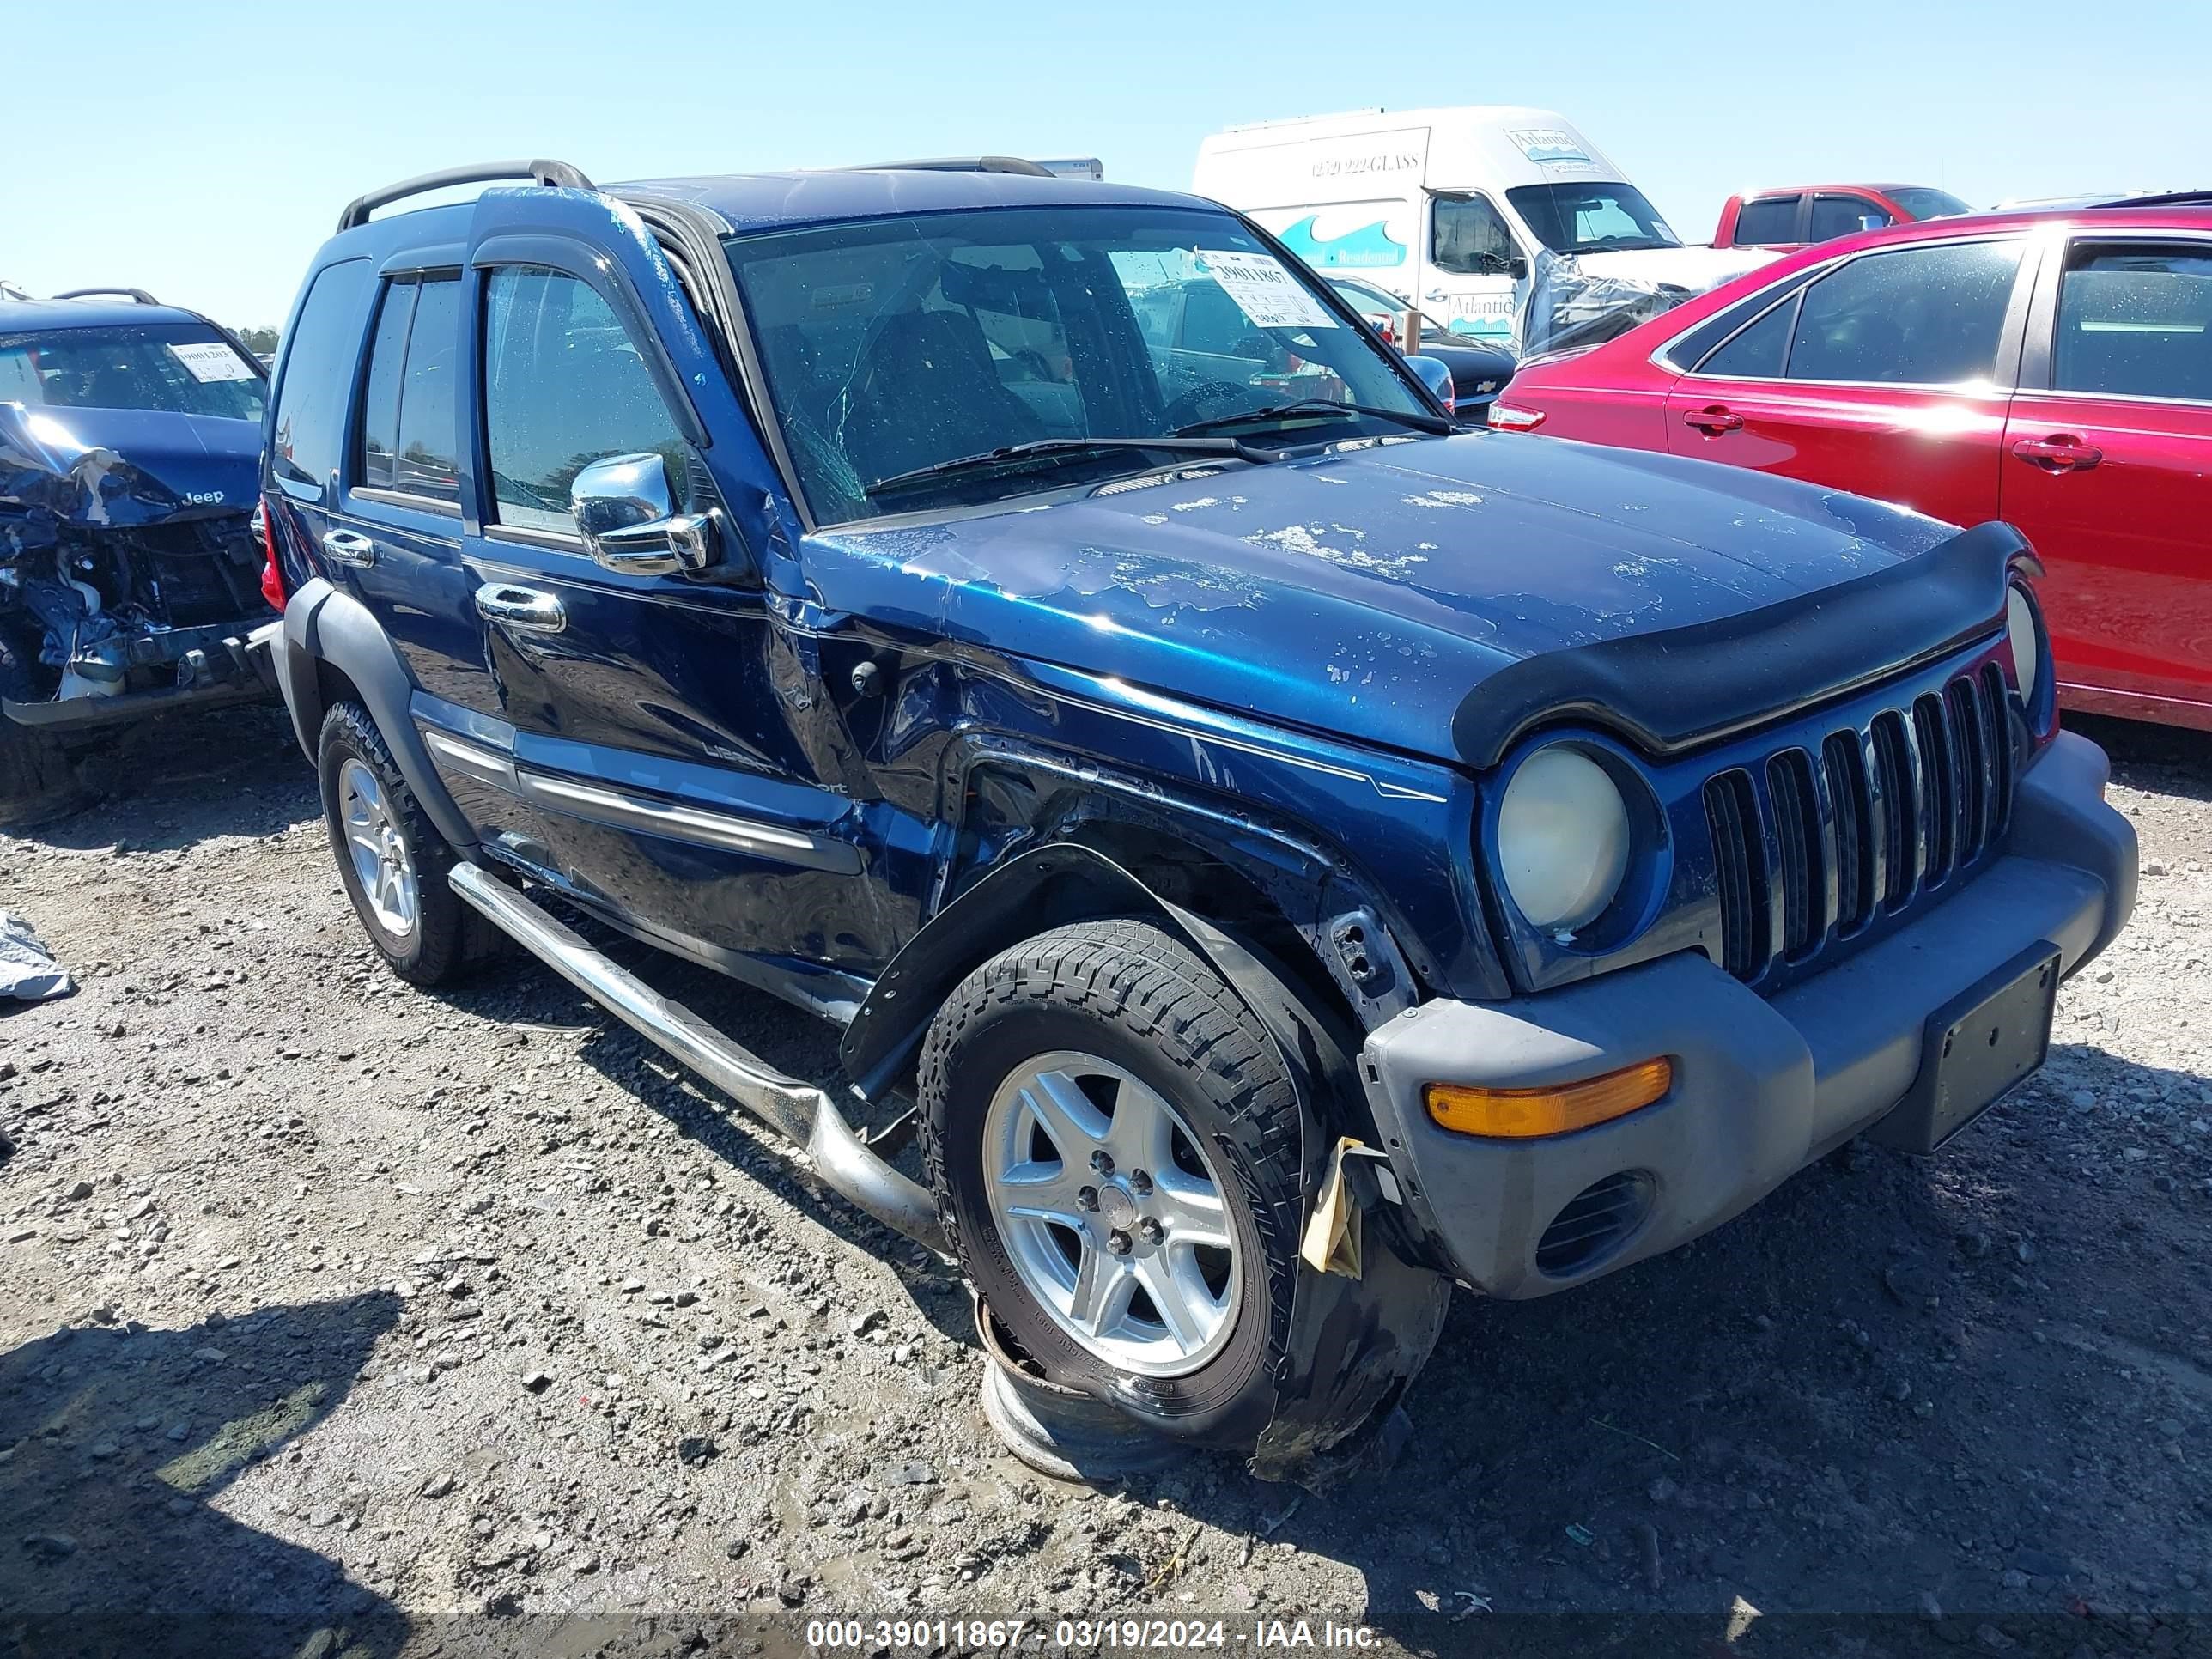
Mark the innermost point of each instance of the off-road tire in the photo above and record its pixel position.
(37, 781)
(450, 938)
(1126, 992)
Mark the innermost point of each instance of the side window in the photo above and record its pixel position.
(428, 462)
(1912, 316)
(1685, 353)
(565, 386)
(1769, 221)
(1468, 236)
(380, 403)
(1842, 215)
(2135, 321)
(1756, 354)
(307, 436)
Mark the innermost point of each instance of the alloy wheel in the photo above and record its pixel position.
(1112, 1214)
(381, 862)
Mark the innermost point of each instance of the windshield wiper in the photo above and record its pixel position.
(959, 464)
(1419, 423)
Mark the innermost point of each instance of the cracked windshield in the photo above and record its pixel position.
(1093, 342)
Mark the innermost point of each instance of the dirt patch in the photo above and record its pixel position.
(343, 1317)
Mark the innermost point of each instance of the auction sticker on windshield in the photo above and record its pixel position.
(210, 359)
(1263, 290)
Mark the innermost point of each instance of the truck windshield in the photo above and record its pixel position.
(180, 368)
(1594, 218)
(896, 346)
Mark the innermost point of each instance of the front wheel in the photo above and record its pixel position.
(37, 781)
(1115, 1147)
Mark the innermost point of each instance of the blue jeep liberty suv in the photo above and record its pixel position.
(1272, 853)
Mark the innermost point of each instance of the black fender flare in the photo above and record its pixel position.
(323, 623)
(1353, 1345)
(1028, 894)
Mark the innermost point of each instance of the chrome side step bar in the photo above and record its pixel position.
(802, 1112)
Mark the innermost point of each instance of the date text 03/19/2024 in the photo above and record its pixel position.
(830, 1635)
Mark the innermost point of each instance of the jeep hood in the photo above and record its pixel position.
(1368, 591)
(92, 467)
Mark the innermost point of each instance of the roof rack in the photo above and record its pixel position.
(553, 175)
(135, 295)
(958, 164)
(2162, 198)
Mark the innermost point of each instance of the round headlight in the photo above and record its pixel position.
(2026, 649)
(1562, 838)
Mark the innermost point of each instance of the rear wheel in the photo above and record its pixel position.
(1115, 1147)
(392, 860)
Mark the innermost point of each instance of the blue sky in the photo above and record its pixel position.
(203, 151)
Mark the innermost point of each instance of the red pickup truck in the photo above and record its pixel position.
(1804, 214)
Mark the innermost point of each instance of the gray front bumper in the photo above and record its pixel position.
(1761, 1087)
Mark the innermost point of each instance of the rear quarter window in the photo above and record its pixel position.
(306, 429)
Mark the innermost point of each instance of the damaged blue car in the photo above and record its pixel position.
(131, 566)
(1274, 854)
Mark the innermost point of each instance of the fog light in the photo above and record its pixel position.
(1555, 1110)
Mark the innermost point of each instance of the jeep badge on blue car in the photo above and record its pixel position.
(1279, 853)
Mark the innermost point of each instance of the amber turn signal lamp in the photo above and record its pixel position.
(1556, 1109)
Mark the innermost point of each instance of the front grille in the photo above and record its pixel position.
(1592, 1222)
(1809, 848)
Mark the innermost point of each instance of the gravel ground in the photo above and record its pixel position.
(339, 1317)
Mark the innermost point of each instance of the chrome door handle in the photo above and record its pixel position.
(524, 608)
(349, 547)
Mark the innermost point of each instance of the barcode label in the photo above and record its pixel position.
(211, 360)
(1264, 291)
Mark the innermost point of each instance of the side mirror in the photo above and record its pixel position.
(625, 513)
(1517, 268)
(1872, 221)
(1436, 375)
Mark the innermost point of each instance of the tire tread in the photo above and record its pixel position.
(1134, 975)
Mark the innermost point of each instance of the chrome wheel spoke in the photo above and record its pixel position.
(1190, 1211)
(1185, 1306)
(1100, 1304)
(1143, 1136)
(1071, 1123)
(1044, 1192)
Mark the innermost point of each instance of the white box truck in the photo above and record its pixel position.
(1449, 208)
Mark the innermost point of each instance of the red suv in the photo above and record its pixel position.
(2052, 369)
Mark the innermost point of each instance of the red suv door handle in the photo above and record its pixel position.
(2062, 452)
(1714, 420)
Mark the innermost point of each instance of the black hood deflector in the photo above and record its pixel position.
(1675, 688)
